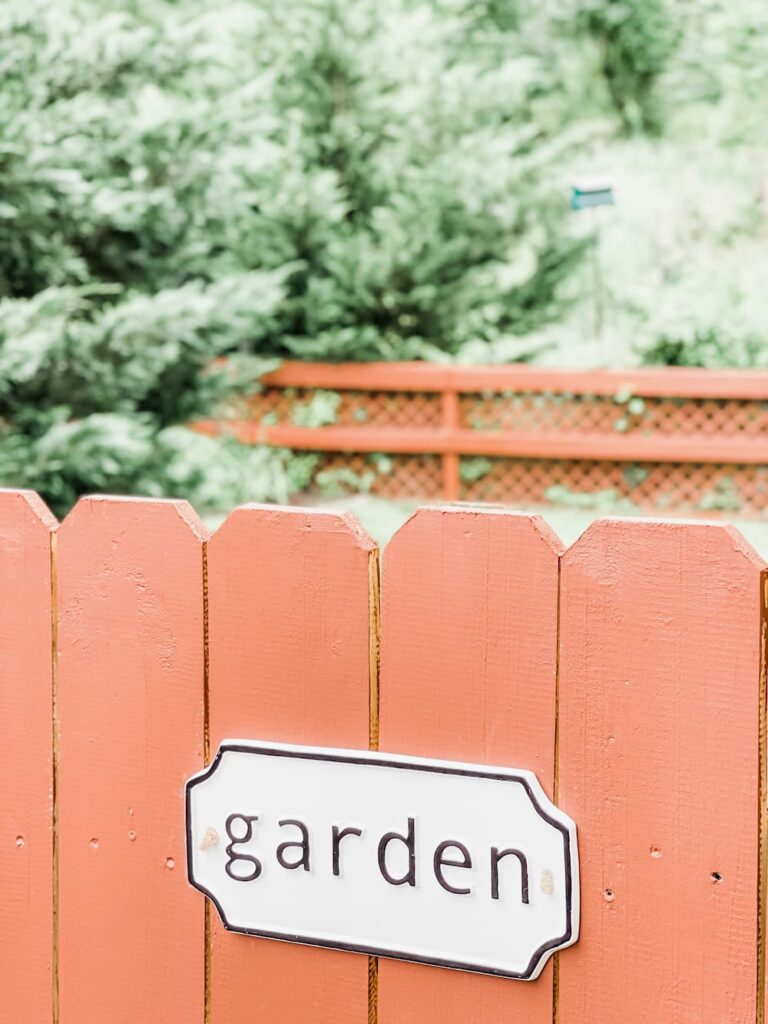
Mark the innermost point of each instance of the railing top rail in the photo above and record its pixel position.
(660, 382)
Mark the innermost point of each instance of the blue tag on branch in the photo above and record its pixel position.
(588, 193)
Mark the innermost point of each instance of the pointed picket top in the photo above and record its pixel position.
(469, 513)
(129, 508)
(713, 536)
(29, 504)
(295, 519)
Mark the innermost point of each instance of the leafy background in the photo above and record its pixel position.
(317, 179)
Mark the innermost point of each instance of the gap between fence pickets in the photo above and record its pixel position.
(374, 656)
(207, 955)
(762, 895)
(556, 771)
(54, 786)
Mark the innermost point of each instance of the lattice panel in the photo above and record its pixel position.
(690, 489)
(528, 411)
(661, 488)
(355, 408)
(395, 476)
(686, 489)
(605, 414)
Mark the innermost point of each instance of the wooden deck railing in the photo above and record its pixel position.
(657, 417)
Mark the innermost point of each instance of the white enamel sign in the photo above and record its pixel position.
(459, 865)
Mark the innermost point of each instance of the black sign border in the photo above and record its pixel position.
(388, 761)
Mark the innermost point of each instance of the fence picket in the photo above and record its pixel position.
(468, 671)
(290, 612)
(130, 719)
(26, 759)
(659, 733)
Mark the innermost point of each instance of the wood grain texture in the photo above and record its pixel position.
(468, 672)
(26, 759)
(130, 706)
(659, 765)
(289, 661)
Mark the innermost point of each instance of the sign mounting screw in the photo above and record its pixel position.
(210, 839)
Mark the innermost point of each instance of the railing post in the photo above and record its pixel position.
(450, 418)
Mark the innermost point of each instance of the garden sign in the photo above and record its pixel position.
(446, 863)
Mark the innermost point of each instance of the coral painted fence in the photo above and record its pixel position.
(626, 671)
(666, 439)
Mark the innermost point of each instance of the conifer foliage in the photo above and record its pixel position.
(314, 179)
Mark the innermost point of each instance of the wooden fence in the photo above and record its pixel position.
(628, 672)
(684, 440)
